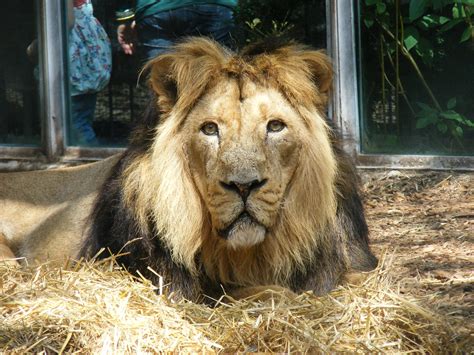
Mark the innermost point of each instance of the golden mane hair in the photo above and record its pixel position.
(158, 183)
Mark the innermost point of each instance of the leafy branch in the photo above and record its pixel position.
(423, 15)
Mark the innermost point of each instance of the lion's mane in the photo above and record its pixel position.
(151, 211)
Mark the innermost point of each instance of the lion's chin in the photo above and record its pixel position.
(244, 232)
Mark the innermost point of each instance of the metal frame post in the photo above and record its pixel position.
(55, 88)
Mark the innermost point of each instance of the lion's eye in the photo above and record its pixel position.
(275, 126)
(210, 129)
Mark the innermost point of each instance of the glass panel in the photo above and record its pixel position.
(122, 101)
(103, 101)
(302, 20)
(416, 76)
(19, 74)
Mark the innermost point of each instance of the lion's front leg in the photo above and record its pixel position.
(260, 293)
(6, 254)
(174, 281)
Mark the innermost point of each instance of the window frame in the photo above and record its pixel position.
(54, 96)
(52, 89)
(344, 110)
(345, 105)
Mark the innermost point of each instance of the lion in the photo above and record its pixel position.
(43, 213)
(234, 180)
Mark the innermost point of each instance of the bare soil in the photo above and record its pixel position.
(425, 222)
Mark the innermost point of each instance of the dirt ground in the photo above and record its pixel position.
(425, 221)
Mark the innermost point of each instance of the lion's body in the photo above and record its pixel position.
(43, 213)
(234, 178)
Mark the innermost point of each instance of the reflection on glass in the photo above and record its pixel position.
(417, 77)
(90, 65)
(19, 107)
(300, 20)
(122, 102)
(102, 108)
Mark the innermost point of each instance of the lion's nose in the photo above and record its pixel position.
(243, 188)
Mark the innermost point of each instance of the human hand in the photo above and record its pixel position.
(32, 51)
(126, 36)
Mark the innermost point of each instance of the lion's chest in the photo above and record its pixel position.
(245, 267)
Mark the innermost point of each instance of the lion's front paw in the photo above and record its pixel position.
(260, 293)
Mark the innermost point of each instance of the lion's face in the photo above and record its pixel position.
(240, 162)
(243, 148)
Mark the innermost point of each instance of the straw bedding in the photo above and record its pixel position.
(99, 308)
(418, 301)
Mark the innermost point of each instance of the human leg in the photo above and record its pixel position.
(82, 111)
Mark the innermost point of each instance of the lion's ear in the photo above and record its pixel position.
(163, 82)
(304, 74)
(181, 76)
(321, 70)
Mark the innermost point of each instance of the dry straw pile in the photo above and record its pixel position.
(96, 308)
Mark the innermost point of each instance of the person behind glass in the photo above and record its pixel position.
(90, 65)
(157, 24)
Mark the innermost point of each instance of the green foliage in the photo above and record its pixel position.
(289, 19)
(417, 9)
(447, 120)
(277, 29)
(467, 34)
(426, 29)
(423, 17)
(411, 38)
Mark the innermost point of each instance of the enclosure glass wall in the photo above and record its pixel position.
(121, 103)
(300, 20)
(105, 98)
(19, 74)
(416, 76)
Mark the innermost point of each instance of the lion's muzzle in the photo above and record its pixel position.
(243, 188)
(244, 231)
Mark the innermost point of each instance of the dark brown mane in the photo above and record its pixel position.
(268, 45)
